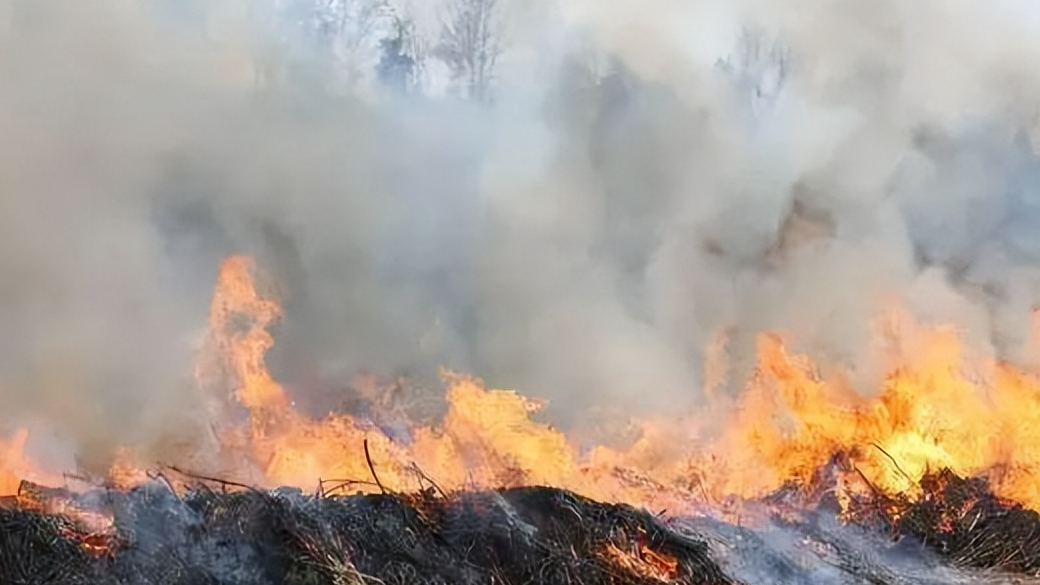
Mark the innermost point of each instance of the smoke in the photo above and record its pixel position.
(627, 199)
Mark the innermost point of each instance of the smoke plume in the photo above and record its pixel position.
(649, 177)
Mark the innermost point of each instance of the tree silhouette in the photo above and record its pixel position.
(470, 44)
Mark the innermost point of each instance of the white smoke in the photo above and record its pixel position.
(643, 182)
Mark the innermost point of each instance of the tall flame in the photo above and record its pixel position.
(939, 406)
(931, 412)
(13, 463)
(239, 319)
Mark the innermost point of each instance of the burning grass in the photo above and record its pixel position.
(961, 519)
(469, 533)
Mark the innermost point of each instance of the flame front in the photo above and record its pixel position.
(938, 407)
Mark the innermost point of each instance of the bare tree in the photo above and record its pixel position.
(351, 24)
(403, 64)
(760, 66)
(470, 44)
(344, 32)
(320, 39)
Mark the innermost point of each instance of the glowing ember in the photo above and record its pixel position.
(644, 561)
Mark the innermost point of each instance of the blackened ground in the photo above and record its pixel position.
(518, 536)
(960, 534)
(34, 550)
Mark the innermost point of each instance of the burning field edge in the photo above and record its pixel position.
(217, 533)
(860, 518)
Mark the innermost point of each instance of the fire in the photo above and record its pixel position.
(938, 407)
(13, 462)
(644, 561)
(16, 466)
(239, 319)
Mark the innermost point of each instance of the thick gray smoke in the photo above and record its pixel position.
(647, 177)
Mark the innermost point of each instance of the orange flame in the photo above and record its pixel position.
(16, 466)
(13, 464)
(938, 406)
(645, 562)
(239, 318)
(931, 412)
